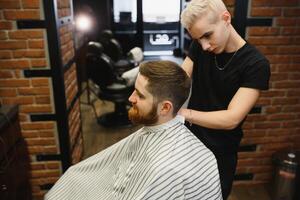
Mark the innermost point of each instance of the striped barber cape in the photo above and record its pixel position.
(156, 162)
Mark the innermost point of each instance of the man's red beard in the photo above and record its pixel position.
(149, 119)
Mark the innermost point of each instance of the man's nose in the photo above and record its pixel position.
(131, 98)
(205, 45)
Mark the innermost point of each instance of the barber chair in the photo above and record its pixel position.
(113, 49)
(110, 86)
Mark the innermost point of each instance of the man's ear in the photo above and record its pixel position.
(226, 16)
(166, 107)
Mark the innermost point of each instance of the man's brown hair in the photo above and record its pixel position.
(166, 81)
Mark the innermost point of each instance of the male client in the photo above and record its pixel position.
(162, 160)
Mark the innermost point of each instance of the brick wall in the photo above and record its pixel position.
(26, 51)
(66, 34)
(277, 127)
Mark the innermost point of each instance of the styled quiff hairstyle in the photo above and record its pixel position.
(166, 81)
(198, 8)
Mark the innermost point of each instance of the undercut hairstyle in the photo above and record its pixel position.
(199, 8)
(166, 81)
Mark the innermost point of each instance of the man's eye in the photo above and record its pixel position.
(139, 95)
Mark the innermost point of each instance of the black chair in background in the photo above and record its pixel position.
(113, 49)
(110, 86)
(111, 46)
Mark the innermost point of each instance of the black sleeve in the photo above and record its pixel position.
(257, 75)
(194, 51)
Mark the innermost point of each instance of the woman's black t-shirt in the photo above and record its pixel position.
(213, 89)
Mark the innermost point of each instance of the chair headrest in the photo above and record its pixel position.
(95, 48)
(136, 54)
(106, 35)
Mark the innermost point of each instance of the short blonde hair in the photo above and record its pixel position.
(197, 8)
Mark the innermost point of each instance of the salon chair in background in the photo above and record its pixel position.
(109, 86)
(113, 49)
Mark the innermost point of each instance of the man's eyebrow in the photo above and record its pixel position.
(139, 93)
(205, 34)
